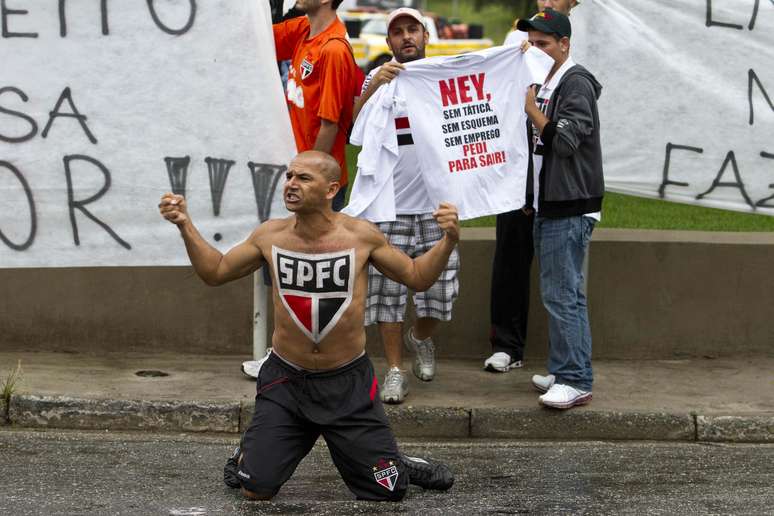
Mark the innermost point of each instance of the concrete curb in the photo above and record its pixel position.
(739, 429)
(407, 420)
(581, 425)
(91, 414)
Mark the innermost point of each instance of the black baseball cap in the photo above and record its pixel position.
(548, 22)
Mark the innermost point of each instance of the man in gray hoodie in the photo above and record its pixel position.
(569, 187)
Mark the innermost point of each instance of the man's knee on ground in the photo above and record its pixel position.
(398, 494)
(395, 495)
(259, 494)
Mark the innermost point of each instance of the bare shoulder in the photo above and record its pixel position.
(270, 228)
(364, 230)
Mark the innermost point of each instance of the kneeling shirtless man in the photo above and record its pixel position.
(318, 379)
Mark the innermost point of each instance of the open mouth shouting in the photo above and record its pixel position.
(291, 197)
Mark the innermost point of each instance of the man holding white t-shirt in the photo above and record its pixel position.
(569, 186)
(414, 231)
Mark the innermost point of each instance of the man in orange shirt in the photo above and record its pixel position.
(322, 81)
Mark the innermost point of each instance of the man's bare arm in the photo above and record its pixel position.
(419, 274)
(327, 136)
(210, 264)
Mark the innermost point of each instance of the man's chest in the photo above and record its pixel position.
(314, 273)
(306, 66)
(325, 267)
(305, 78)
(315, 288)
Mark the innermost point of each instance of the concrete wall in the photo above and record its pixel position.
(652, 294)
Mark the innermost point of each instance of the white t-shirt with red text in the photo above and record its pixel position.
(469, 126)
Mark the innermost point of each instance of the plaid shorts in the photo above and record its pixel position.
(386, 302)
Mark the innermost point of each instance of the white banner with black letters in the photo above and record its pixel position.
(687, 110)
(106, 105)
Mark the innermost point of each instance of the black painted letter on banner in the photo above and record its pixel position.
(73, 204)
(33, 214)
(763, 203)
(62, 19)
(218, 170)
(103, 11)
(5, 12)
(265, 180)
(713, 23)
(177, 170)
(162, 26)
(66, 95)
(754, 16)
(33, 126)
(665, 181)
(751, 76)
(730, 158)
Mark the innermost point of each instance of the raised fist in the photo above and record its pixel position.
(173, 208)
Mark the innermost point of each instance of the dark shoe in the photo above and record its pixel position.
(427, 474)
(230, 477)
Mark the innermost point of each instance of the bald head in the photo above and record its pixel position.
(321, 162)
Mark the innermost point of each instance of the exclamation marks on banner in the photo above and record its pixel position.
(265, 177)
(265, 180)
(177, 168)
(218, 170)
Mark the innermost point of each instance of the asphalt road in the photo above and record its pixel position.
(135, 473)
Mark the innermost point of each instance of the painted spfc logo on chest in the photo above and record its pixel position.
(316, 289)
(306, 68)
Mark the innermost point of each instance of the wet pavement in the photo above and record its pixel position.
(70, 472)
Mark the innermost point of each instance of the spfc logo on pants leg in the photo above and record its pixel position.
(316, 289)
(386, 474)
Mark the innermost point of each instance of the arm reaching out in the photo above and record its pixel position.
(387, 72)
(210, 264)
(421, 273)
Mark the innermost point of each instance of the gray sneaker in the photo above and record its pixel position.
(543, 383)
(424, 356)
(395, 386)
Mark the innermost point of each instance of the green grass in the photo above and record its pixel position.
(625, 211)
(496, 18)
(10, 383)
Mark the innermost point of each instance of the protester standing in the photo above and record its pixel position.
(322, 81)
(514, 251)
(569, 187)
(414, 231)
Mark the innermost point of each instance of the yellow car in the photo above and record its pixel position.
(373, 49)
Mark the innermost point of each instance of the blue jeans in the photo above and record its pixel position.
(560, 245)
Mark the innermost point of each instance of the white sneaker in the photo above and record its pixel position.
(395, 386)
(501, 362)
(252, 368)
(424, 356)
(543, 383)
(563, 396)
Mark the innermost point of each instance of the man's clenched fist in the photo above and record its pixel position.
(173, 208)
(447, 217)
